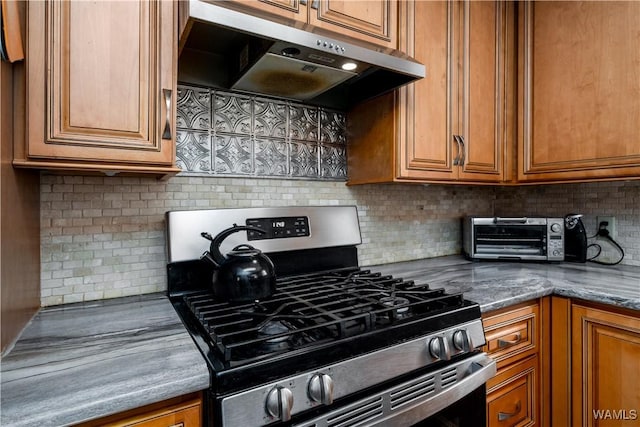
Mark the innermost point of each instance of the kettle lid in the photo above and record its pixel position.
(244, 250)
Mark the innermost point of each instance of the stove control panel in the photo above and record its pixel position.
(280, 401)
(278, 228)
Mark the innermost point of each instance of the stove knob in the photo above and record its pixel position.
(279, 403)
(461, 340)
(439, 349)
(555, 227)
(321, 389)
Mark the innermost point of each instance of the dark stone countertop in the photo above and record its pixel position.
(495, 285)
(79, 362)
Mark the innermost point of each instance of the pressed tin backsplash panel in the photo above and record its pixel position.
(222, 133)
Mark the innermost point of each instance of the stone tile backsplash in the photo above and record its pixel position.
(229, 134)
(104, 237)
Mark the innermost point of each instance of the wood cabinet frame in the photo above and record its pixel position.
(72, 124)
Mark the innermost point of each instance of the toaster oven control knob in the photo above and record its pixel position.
(461, 340)
(321, 389)
(438, 348)
(279, 403)
(556, 228)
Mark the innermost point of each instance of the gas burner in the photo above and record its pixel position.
(274, 327)
(392, 301)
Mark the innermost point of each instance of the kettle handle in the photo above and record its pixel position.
(214, 250)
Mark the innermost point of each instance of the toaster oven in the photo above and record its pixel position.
(533, 239)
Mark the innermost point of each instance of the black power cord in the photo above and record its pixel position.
(604, 233)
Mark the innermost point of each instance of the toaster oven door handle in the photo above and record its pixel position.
(504, 220)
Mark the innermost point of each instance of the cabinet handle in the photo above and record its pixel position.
(506, 415)
(314, 4)
(166, 133)
(463, 154)
(506, 343)
(456, 161)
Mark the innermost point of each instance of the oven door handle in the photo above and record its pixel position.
(476, 375)
(416, 400)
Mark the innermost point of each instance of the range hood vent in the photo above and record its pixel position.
(226, 49)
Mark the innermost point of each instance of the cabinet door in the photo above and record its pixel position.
(465, 45)
(429, 106)
(100, 83)
(373, 21)
(605, 368)
(289, 9)
(409, 136)
(579, 90)
(484, 124)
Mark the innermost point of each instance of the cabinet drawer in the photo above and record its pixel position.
(184, 411)
(187, 417)
(511, 395)
(512, 335)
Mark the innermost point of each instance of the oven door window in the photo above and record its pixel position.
(470, 411)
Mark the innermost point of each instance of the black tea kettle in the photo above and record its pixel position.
(245, 274)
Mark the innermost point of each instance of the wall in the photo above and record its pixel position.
(618, 199)
(103, 237)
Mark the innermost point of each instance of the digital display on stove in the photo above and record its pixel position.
(278, 228)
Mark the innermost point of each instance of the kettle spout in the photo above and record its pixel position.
(207, 257)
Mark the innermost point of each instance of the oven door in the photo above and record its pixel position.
(511, 240)
(469, 411)
(450, 396)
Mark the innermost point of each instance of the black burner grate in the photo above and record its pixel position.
(314, 309)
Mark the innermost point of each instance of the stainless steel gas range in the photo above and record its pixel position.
(336, 344)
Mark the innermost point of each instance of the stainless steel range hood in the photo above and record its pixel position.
(227, 49)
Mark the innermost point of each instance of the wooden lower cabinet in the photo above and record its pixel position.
(184, 411)
(512, 395)
(517, 338)
(596, 365)
(605, 367)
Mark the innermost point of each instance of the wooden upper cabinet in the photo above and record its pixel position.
(290, 9)
(579, 88)
(486, 124)
(100, 84)
(371, 21)
(374, 21)
(454, 124)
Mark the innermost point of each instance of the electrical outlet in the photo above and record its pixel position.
(611, 226)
